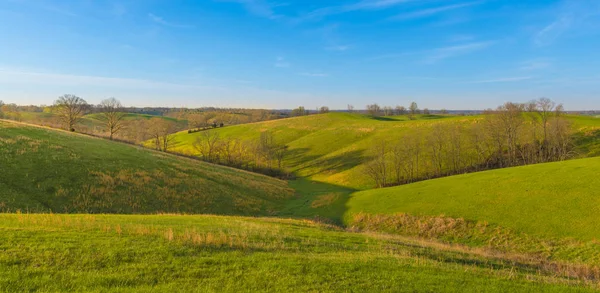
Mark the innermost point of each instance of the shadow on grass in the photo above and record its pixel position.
(317, 200)
(333, 165)
(587, 144)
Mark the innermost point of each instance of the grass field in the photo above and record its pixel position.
(50, 170)
(98, 253)
(555, 201)
(331, 148)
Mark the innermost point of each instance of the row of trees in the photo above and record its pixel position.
(264, 154)
(376, 110)
(511, 135)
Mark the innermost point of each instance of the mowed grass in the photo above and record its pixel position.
(44, 170)
(332, 148)
(100, 253)
(556, 200)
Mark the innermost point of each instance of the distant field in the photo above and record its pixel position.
(50, 170)
(90, 122)
(58, 253)
(332, 148)
(553, 201)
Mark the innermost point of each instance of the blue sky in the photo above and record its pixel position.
(284, 53)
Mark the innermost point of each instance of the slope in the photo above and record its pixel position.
(119, 253)
(331, 147)
(50, 170)
(559, 199)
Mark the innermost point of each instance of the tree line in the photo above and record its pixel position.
(264, 154)
(513, 134)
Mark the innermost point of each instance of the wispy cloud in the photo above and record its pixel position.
(280, 62)
(357, 6)
(440, 54)
(570, 16)
(536, 64)
(433, 11)
(260, 8)
(338, 48)
(162, 21)
(118, 9)
(505, 79)
(314, 74)
(552, 31)
(48, 78)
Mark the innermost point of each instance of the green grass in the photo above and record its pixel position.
(57, 253)
(552, 208)
(331, 148)
(50, 170)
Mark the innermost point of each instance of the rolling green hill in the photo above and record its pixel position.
(559, 199)
(550, 209)
(110, 253)
(50, 170)
(332, 148)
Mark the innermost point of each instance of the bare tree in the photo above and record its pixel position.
(111, 113)
(300, 111)
(350, 108)
(70, 109)
(400, 110)
(377, 168)
(388, 111)
(161, 131)
(324, 109)
(545, 107)
(426, 111)
(414, 108)
(208, 145)
(373, 109)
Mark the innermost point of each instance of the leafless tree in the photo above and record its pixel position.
(324, 109)
(373, 110)
(350, 108)
(377, 168)
(414, 109)
(70, 109)
(400, 110)
(208, 146)
(111, 113)
(388, 111)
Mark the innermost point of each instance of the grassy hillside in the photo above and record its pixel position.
(329, 147)
(57, 253)
(50, 170)
(551, 210)
(555, 199)
(333, 147)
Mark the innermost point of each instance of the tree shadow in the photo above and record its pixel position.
(335, 164)
(317, 200)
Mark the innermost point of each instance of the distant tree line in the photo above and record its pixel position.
(510, 135)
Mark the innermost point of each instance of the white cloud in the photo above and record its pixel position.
(282, 63)
(338, 48)
(453, 51)
(505, 79)
(536, 64)
(162, 21)
(433, 11)
(314, 74)
(553, 31)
